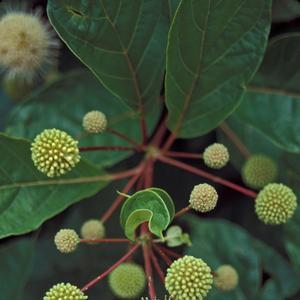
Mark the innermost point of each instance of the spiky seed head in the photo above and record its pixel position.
(27, 45)
(66, 240)
(127, 281)
(275, 204)
(16, 88)
(258, 171)
(65, 291)
(54, 152)
(203, 197)
(94, 122)
(92, 229)
(226, 278)
(216, 156)
(188, 278)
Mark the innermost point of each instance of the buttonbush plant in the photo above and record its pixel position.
(150, 150)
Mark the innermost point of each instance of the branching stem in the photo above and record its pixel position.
(110, 269)
(209, 176)
(235, 139)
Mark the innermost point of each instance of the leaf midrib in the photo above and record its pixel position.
(81, 180)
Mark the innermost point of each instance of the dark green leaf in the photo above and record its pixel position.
(63, 103)
(15, 260)
(123, 42)
(285, 10)
(28, 197)
(272, 104)
(214, 49)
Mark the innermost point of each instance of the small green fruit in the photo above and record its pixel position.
(66, 240)
(127, 281)
(188, 278)
(216, 156)
(226, 278)
(92, 229)
(17, 88)
(258, 171)
(94, 122)
(203, 198)
(54, 152)
(64, 291)
(275, 204)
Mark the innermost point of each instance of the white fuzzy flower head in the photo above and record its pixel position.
(27, 44)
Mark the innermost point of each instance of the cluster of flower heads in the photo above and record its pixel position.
(28, 46)
(67, 240)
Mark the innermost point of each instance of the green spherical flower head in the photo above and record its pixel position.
(203, 197)
(66, 240)
(258, 171)
(92, 229)
(275, 204)
(94, 122)
(127, 281)
(226, 278)
(54, 152)
(188, 278)
(65, 291)
(216, 156)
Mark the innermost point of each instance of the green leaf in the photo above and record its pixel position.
(15, 260)
(65, 102)
(270, 291)
(123, 42)
(278, 268)
(285, 10)
(220, 242)
(275, 90)
(28, 197)
(153, 205)
(214, 49)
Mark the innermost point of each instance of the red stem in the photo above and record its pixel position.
(162, 255)
(123, 137)
(148, 270)
(235, 139)
(110, 269)
(182, 211)
(148, 173)
(157, 266)
(183, 154)
(143, 126)
(107, 148)
(125, 174)
(209, 176)
(157, 139)
(168, 144)
(99, 241)
(120, 198)
(169, 252)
